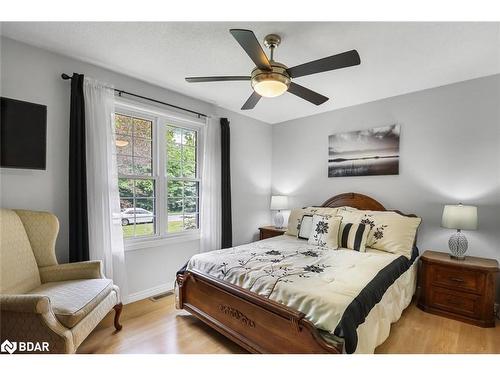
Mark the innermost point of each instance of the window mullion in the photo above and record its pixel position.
(183, 212)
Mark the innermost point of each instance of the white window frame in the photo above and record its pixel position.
(161, 119)
(154, 175)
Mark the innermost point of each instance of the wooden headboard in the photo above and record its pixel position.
(356, 200)
(359, 201)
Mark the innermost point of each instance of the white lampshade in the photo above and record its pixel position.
(459, 217)
(279, 202)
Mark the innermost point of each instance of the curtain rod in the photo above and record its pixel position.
(120, 92)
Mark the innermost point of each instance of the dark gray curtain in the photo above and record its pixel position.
(78, 215)
(227, 226)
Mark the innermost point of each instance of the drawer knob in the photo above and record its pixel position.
(456, 279)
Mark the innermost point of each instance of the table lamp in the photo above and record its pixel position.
(459, 217)
(279, 202)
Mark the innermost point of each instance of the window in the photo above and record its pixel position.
(158, 174)
(183, 185)
(136, 182)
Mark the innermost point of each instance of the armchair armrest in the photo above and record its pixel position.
(72, 271)
(29, 317)
(27, 303)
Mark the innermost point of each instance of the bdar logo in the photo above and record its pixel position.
(8, 346)
(24, 346)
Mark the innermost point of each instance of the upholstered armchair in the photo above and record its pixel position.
(41, 300)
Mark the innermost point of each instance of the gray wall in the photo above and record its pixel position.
(449, 153)
(33, 74)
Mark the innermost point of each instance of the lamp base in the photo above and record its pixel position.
(458, 245)
(278, 220)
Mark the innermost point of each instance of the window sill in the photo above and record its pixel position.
(146, 243)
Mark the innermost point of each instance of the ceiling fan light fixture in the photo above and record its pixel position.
(270, 88)
(270, 84)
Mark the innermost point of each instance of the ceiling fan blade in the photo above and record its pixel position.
(306, 94)
(217, 79)
(250, 44)
(251, 101)
(342, 60)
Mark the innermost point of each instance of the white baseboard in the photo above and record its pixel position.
(143, 294)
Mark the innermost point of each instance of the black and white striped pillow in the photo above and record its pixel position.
(353, 236)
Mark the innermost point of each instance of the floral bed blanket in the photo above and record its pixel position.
(335, 289)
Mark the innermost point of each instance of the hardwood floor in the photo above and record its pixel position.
(156, 327)
(418, 332)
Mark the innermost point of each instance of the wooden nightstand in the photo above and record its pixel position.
(270, 231)
(459, 289)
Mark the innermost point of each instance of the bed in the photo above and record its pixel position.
(283, 295)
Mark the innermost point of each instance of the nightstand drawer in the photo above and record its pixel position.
(270, 231)
(459, 279)
(458, 302)
(268, 234)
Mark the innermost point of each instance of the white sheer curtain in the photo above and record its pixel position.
(105, 231)
(210, 220)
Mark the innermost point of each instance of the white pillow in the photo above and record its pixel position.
(305, 228)
(295, 219)
(325, 231)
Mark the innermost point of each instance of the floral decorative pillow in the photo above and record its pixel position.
(390, 231)
(347, 208)
(325, 231)
(350, 214)
(295, 218)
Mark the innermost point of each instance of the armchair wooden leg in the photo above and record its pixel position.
(118, 310)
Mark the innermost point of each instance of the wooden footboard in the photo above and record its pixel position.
(256, 323)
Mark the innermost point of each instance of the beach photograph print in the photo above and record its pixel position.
(368, 152)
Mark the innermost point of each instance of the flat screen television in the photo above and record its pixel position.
(23, 134)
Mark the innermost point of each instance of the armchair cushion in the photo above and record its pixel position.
(73, 300)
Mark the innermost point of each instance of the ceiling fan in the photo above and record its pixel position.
(270, 78)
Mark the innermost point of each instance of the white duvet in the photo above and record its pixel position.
(317, 281)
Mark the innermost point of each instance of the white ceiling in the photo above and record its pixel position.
(396, 58)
